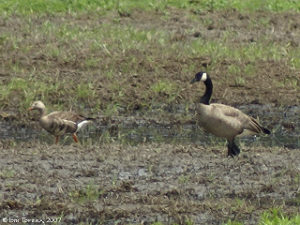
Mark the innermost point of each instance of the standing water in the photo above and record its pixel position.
(284, 124)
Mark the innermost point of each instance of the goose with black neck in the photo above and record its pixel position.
(223, 120)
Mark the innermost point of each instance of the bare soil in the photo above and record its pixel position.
(119, 184)
(122, 184)
(273, 81)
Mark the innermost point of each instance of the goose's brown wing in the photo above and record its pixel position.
(67, 115)
(58, 126)
(239, 118)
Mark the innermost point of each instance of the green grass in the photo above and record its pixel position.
(275, 217)
(85, 195)
(62, 55)
(272, 217)
(186, 222)
(54, 6)
(230, 222)
(85, 91)
(49, 90)
(28, 90)
(7, 173)
(164, 87)
(96, 6)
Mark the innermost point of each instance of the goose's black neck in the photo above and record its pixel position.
(208, 92)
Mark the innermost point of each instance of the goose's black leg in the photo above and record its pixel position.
(233, 149)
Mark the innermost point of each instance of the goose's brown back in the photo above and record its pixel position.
(61, 122)
(226, 121)
(58, 126)
(67, 115)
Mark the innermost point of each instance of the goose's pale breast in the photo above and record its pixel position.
(213, 119)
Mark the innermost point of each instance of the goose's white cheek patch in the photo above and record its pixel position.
(204, 77)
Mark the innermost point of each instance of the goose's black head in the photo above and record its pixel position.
(201, 76)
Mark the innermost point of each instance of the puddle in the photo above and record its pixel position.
(283, 122)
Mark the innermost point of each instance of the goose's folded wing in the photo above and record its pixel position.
(67, 115)
(227, 110)
(58, 126)
(247, 122)
(236, 118)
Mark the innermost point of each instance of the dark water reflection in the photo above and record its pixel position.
(283, 122)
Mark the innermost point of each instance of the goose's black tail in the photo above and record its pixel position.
(266, 131)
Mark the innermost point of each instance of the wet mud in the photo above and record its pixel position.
(122, 184)
(157, 165)
(168, 125)
(134, 170)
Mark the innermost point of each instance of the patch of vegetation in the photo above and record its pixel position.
(186, 222)
(230, 222)
(272, 217)
(110, 63)
(25, 91)
(275, 216)
(7, 173)
(124, 6)
(88, 194)
(162, 87)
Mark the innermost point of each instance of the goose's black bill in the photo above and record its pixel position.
(193, 81)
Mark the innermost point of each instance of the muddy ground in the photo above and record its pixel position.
(119, 184)
(123, 77)
(170, 183)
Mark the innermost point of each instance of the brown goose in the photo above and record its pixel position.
(223, 120)
(60, 122)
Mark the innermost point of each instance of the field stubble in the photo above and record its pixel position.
(146, 183)
(119, 63)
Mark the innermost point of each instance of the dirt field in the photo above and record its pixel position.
(115, 184)
(252, 58)
(150, 182)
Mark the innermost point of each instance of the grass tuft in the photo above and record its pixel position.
(88, 194)
(275, 216)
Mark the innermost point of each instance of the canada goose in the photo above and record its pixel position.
(60, 122)
(223, 120)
